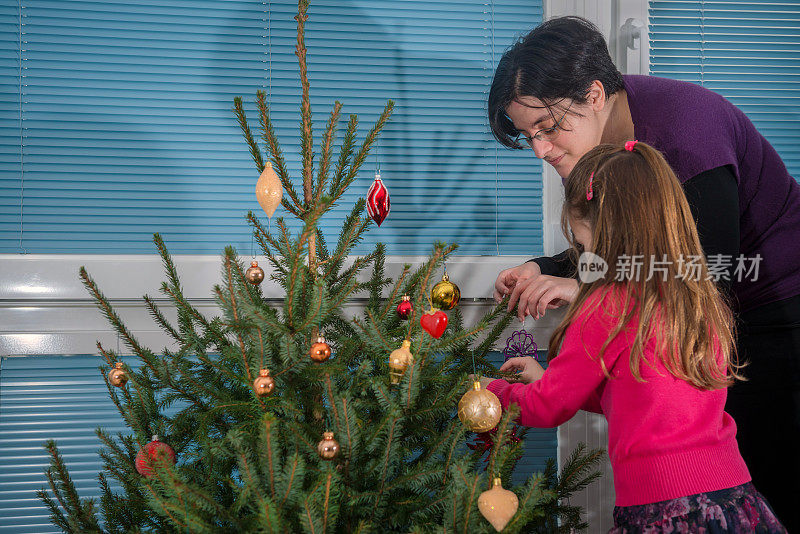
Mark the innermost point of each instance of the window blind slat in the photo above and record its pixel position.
(749, 52)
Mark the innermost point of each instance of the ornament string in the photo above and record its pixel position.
(377, 159)
(261, 341)
(474, 370)
(474, 367)
(269, 48)
(496, 150)
(21, 141)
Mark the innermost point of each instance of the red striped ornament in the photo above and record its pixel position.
(378, 200)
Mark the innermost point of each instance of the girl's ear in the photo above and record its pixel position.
(596, 96)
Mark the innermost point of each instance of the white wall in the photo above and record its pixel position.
(44, 309)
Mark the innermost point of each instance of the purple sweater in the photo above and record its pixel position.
(698, 130)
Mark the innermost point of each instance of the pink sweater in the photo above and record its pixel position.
(666, 438)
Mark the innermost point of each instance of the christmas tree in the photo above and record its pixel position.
(294, 418)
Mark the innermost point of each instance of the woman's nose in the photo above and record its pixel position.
(541, 148)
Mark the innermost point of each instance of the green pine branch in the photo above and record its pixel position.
(293, 205)
(68, 511)
(327, 145)
(255, 152)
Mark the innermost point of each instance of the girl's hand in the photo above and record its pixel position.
(509, 278)
(538, 294)
(527, 367)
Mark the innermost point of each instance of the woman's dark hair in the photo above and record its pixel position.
(558, 60)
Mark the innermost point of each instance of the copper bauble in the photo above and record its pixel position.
(264, 385)
(399, 360)
(479, 409)
(320, 351)
(405, 308)
(118, 376)
(498, 505)
(328, 448)
(445, 295)
(254, 273)
(154, 454)
(269, 190)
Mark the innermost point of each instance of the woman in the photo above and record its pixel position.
(558, 92)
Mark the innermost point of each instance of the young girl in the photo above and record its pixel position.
(650, 346)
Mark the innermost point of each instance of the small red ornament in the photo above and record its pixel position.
(434, 322)
(405, 308)
(485, 441)
(378, 200)
(155, 453)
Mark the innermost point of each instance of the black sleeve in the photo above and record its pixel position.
(713, 197)
(564, 264)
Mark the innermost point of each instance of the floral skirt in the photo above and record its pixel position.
(738, 510)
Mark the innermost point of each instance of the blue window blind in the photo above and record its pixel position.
(65, 398)
(747, 51)
(44, 397)
(117, 122)
(540, 445)
(10, 124)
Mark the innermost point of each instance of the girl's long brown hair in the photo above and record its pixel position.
(638, 209)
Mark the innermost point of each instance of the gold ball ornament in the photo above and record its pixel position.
(320, 351)
(479, 409)
(264, 384)
(328, 448)
(498, 505)
(254, 274)
(399, 360)
(269, 190)
(118, 376)
(445, 294)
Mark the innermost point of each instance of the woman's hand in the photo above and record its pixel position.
(527, 368)
(509, 278)
(538, 294)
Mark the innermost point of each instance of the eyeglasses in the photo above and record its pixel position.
(545, 134)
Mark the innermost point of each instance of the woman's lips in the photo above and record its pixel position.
(556, 161)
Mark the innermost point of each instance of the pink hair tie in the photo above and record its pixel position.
(629, 145)
(590, 191)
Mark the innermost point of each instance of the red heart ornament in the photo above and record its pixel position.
(434, 323)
